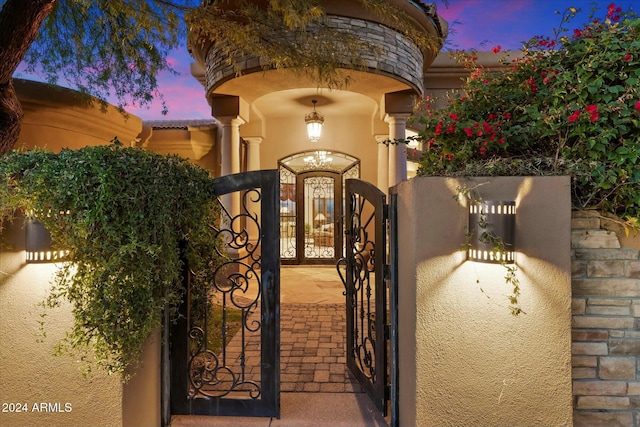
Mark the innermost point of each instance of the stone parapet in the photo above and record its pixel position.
(390, 53)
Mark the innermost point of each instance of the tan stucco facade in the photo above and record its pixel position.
(41, 389)
(30, 375)
(464, 359)
(56, 117)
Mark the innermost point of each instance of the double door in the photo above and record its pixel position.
(312, 226)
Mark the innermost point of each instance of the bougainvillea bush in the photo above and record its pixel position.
(567, 104)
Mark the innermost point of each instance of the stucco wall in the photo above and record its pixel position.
(56, 117)
(351, 135)
(464, 359)
(29, 373)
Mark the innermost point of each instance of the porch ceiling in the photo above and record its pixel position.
(284, 93)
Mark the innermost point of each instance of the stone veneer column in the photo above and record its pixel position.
(606, 312)
(397, 152)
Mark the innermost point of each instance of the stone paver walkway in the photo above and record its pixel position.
(312, 343)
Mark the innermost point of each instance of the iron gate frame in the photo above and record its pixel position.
(381, 383)
(175, 355)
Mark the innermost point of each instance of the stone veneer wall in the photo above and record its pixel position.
(606, 318)
(400, 56)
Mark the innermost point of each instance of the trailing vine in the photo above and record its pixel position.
(132, 217)
(499, 248)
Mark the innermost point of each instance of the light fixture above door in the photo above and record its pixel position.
(314, 121)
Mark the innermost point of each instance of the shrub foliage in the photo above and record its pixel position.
(568, 104)
(127, 216)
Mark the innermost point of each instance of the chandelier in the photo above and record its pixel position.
(318, 160)
(314, 121)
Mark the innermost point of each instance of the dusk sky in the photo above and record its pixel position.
(476, 24)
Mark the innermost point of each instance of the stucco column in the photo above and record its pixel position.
(397, 152)
(383, 163)
(253, 152)
(230, 156)
(253, 164)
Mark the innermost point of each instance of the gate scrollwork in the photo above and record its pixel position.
(227, 316)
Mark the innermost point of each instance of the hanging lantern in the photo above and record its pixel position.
(314, 121)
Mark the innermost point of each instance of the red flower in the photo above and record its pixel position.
(552, 43)
(439, 128)
(452, 128)
(637, 106)
(628, 57)
(483, 151)
(496, 49)
(501, 141)
(593, 110)
(577, 33)
(507, 115)
(573, 117)
(453, 116)
(469, 131)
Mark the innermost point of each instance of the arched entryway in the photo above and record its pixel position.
(312, 205)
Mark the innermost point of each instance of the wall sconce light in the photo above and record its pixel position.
(314, 121)
(492, 226)
(38, 244)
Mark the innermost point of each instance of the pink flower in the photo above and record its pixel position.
(573, 117)
(496, 49)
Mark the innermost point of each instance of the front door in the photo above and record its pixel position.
(319, 217)
(312, 204)
(224, 354)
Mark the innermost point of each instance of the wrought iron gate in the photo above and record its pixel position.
(225, 345)
(368, 272)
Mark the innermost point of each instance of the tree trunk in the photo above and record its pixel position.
(20, 21)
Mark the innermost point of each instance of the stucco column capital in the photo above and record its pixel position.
(230, 121)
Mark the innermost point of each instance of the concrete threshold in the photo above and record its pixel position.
(302, 410)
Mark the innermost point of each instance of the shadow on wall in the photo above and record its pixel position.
(470, 352)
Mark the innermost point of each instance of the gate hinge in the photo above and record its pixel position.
(386, 272)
